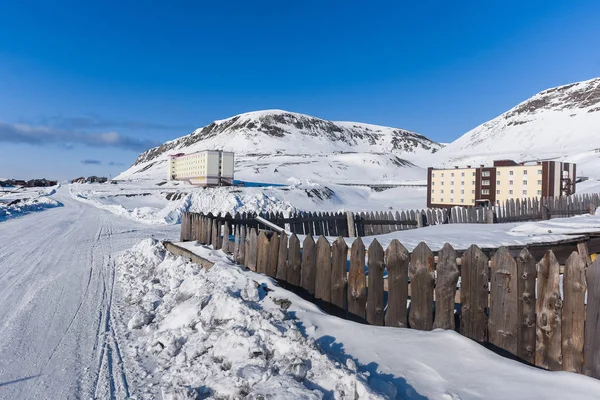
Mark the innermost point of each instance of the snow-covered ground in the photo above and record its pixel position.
(16, 202)
(147, 201)
(227, 331)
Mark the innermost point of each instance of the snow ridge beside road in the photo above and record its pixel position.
(218, 333)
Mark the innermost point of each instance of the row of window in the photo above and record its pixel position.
(485, 182)
(485, 192)
(486, 173)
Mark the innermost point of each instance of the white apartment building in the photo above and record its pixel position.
(202, 168)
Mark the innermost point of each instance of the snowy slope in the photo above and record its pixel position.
(562, 122)
(274, 145)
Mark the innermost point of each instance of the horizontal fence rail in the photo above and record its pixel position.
(518, 305)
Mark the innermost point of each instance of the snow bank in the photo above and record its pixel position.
(20, 207)
(218, 333)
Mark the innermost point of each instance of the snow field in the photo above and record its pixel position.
(23, 202)
(218, 333)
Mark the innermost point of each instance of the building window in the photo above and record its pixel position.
(539, 192)
(510, 182)
(510, 172)
(510, 192)
(524, 192)
(462, 183)
(432, 183)
(498, 173)
(485, 191)
(473, 173)
(442, 183)
(485, 183)
(485, 173)
(497, 182)
(442, 174)
(497, 192)
(472, 192)
(452, 174)
(473, 182)
(539, 182)
(432, 191)
(462, 200)
(524, 182)
(442, 191)
(539, 171)
(524, 172)
(451, 191)
(462, 192)
(442, 199)
(462, 174)
(452, 183)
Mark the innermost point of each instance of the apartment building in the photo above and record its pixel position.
(505, 180)
(202, 168)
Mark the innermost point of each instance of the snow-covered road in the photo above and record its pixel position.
(56, 290)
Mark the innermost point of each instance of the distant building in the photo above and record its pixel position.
(505, 180)
(203, 168)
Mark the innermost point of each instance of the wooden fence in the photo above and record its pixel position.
(495, 302)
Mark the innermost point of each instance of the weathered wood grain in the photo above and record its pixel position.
(573, 314)
(591, 348)
(262, 252)
(526, 270)
(252, 250)
(503, 324)
(323, 273)
(549, 315)
(294, 261)
(421, 273)
(339, 278)
(282, 257)
(273, 258)
(445, 288)
(357, 285)
(375, 304)
(309, 264)
(474, 294)
(397, 259)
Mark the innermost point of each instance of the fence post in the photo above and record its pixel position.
(548, 352)
(591, 347)
(489, 216)
(350, 219)
(592, 209)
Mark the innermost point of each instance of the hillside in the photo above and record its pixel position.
(274, 145)
(561, 122)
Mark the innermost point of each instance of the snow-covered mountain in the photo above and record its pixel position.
(561, 122)
(275, 145)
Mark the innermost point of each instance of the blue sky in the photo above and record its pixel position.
(85, 86)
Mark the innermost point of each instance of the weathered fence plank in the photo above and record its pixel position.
(573, 314)
(375, 304)
(282, 257)
(262, 252)
(548, 311)
(591, 347)
(397, 259)
(357, 285)
(526, 270)
(252, 254)
(474, 294)
(503, 324)
(294, 261)
(309, 266)
(323, 277)
(339, 277)
(445, 288)
(273, 257)
(421, 272)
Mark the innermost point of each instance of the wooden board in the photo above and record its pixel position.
(573, 314)
(262, 253)
(375, 304)
(357, 285)
(294, 261)
(273, 258)
(474, 294)
(526, 270)
(591, 348)
(323, 273)
(503, 324)
(548, 315)
(252, 250)
(421, 273)
(308, 269)
(282, 257)
(339, 276)
(445, 288)
(397, 260)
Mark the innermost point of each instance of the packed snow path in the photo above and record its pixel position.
(56, 291)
